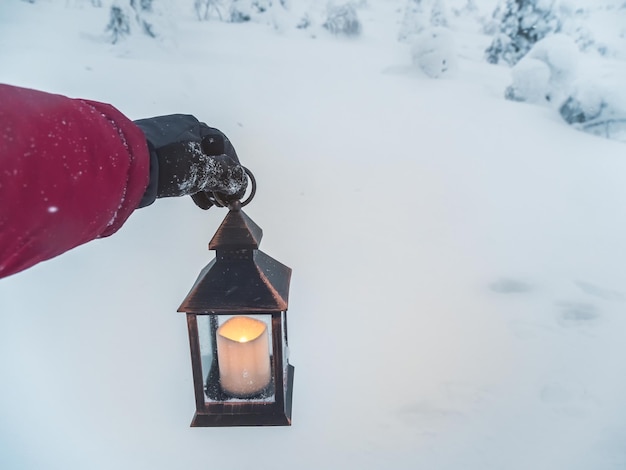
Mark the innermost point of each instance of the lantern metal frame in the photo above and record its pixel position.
(240, 280)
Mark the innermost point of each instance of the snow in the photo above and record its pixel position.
(434, 52)
(531, 81)
(546, 73)
(458, 265)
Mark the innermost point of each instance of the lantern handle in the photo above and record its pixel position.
(236, 205)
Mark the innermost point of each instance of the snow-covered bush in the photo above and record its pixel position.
(521, 23)
(305, 22)
(434, 52)
(597, 107)
(342, 19)
(531, 79)
(241, 11)
(546, 73)
(271, 12)
(434, 49)
(414, 20)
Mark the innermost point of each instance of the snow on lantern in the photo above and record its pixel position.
(237, 321)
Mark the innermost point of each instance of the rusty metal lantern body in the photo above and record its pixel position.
(241, 283)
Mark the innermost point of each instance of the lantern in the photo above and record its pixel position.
(237, 321)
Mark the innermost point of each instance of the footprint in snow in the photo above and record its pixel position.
(556, 393)
(566, 397)
(453, 402)
(528, 330)
(602, 293)
(510, 286)
(577, 314)
(427, 417)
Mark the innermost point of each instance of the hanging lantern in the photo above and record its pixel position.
(237, 321)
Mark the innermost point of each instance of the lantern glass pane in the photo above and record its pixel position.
(207, 341)
(236, 352)
(285, 350)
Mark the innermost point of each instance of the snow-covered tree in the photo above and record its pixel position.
(468, 8)
(342, 19)
(143, 9)
(521, 23)
(577, 22)
(414, 20)
(126, 15)
(119, 25)
(420, 15)
(206, 8)
(439, 14)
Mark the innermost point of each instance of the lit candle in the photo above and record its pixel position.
(243, 356)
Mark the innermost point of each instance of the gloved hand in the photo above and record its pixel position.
(190, 158)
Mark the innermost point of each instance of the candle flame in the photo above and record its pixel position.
(242, 329)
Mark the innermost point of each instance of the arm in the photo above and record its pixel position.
(74, 170)
(70, 171)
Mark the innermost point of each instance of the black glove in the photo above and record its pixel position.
(187, 157)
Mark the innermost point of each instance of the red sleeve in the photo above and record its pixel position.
(70, 171)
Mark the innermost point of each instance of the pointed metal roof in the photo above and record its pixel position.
(236, 231)
(241, 283)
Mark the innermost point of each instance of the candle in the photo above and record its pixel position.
(243, 356)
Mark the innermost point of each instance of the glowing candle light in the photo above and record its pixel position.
(243, 356)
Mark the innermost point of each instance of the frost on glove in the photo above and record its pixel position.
(190, 158)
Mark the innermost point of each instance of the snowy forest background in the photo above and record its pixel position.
(554, 47)
(446, 179)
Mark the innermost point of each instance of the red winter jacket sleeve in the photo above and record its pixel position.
(71, 171)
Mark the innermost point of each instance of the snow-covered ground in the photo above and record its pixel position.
(459, 290)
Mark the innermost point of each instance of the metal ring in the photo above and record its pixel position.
(222, 203)
(253, 190)
(218, 201)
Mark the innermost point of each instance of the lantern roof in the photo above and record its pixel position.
(237, 230)
(247, 281)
